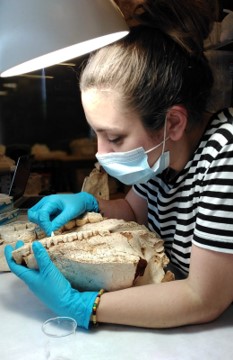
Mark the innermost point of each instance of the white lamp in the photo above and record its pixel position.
(35, 34)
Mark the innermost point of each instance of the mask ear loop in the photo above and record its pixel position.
(164, 135)
(162, 142)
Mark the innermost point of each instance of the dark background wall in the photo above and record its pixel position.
(43, 109)
(46, 110)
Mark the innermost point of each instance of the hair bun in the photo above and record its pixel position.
(187, 22)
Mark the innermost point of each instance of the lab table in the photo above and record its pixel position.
(22, 314)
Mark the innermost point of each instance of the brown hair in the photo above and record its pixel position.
(160, 63)
(187, 22)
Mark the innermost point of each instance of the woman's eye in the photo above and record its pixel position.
(115, 140)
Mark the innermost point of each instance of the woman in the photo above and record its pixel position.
(145, 98)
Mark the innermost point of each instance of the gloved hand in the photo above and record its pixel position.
(52, 288)
(54, 211)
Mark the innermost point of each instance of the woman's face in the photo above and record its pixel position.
(115, 128)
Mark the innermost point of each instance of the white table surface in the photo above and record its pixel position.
(22, 314)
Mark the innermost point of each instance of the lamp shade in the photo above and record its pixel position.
(35, 34)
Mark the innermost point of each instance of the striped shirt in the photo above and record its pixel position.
(197, 206)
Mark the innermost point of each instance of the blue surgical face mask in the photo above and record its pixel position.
(131, 167)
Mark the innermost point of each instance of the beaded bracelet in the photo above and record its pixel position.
(95, 306)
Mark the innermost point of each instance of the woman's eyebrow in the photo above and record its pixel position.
(110, 128)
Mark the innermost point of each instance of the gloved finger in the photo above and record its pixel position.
(44, 222)
(42, 218)
(8, 253)
(34, 210)
(19, 270)
(40, 203)
(39, 218)
(19, 244)
(47, 204)
(61, 219)
(41, 255)
(43, 214)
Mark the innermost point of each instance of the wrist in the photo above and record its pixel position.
(95, 204)
(95, 307)
(80, 307)
(90, 201)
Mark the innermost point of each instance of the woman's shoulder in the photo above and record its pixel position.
(217, 142)
(221, 117)
(220, 129)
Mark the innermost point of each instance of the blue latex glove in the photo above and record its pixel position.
(54, 211)
(52, 288)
